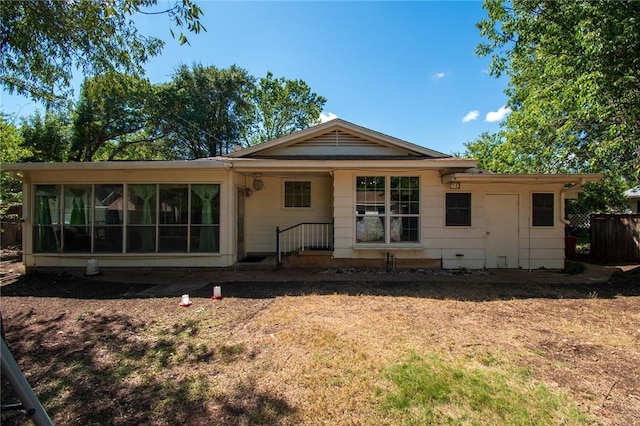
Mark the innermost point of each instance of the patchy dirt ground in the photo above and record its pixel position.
(282, 354)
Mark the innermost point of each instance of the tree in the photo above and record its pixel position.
(42, 41)
(47, 138)
(282, 107)
(205, 109)
(12, 150)
(574, 86)
(112, 116)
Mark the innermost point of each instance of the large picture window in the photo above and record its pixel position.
(46, 228)
(458, 209)
(77, 218)
(205, 218)
(141, 214)
(164, 218)
(542, 209)
(108, 211)
(173, 218)
(387, 209)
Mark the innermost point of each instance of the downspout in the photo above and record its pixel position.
(562, 200)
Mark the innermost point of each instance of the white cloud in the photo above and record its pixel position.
(326, 116)
(498, 115)
(438, 75)
(471, 115)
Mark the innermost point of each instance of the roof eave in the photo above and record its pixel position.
(541, 178)
(116, 165)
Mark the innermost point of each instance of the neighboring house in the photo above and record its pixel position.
(633, 197)
(364, 198)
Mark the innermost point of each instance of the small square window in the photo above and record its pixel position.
(542, 209)
(297, 194)
(458, 209)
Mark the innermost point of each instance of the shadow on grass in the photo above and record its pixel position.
(105, 373)
(469, 288)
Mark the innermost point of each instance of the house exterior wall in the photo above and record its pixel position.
(225, 256)
(332, 199)
(454, 246)
(265, 210)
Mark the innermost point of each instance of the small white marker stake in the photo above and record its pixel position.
(184, 301)
(217, 292)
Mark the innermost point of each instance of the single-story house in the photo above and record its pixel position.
(357, 195)
(633, 198)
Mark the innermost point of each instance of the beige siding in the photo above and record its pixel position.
(457, 247)
(335, 143)
(265, 211)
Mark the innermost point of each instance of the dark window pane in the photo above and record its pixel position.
(205, 238)
(77, 219)
(172, 238)
(141, 239)
(458, 209)
(108, 208)
(46, 229)
(297, 194)
(542, 214)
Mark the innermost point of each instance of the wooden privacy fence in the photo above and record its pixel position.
(615, 237)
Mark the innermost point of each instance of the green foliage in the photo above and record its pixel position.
(574, 88)
(203, 110)
(113, 117)
(12, 150)
(282, 107)
(430, 391)
(44, 40)
(47, 138)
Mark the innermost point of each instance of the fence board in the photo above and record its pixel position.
(615, 237)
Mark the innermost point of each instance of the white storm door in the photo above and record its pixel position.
(502, 238)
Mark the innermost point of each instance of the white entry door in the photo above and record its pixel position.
(502, 239)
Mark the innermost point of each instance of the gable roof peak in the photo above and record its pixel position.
(337, 125)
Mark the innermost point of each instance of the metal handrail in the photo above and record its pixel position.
(304, 236)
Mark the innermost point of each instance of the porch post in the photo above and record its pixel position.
(278, 244)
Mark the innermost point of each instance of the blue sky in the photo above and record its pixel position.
(406, 69)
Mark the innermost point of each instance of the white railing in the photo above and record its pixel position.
(304, 236)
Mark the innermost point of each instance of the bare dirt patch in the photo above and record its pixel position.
(308, 353)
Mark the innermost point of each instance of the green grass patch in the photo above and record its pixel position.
(430, 391)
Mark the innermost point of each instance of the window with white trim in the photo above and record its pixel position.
(387, 209)
(458, 209)
(297, 194)
(542, 209)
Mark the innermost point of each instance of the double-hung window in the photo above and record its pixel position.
(387, 209)
(542, 209)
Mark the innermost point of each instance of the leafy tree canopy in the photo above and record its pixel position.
(12, 149)
(114, 113)
(204, 109)
(282, 107)
(47, 137)
(43, 41)
(574, 87)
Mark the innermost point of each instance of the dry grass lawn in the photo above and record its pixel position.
(318, 359)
